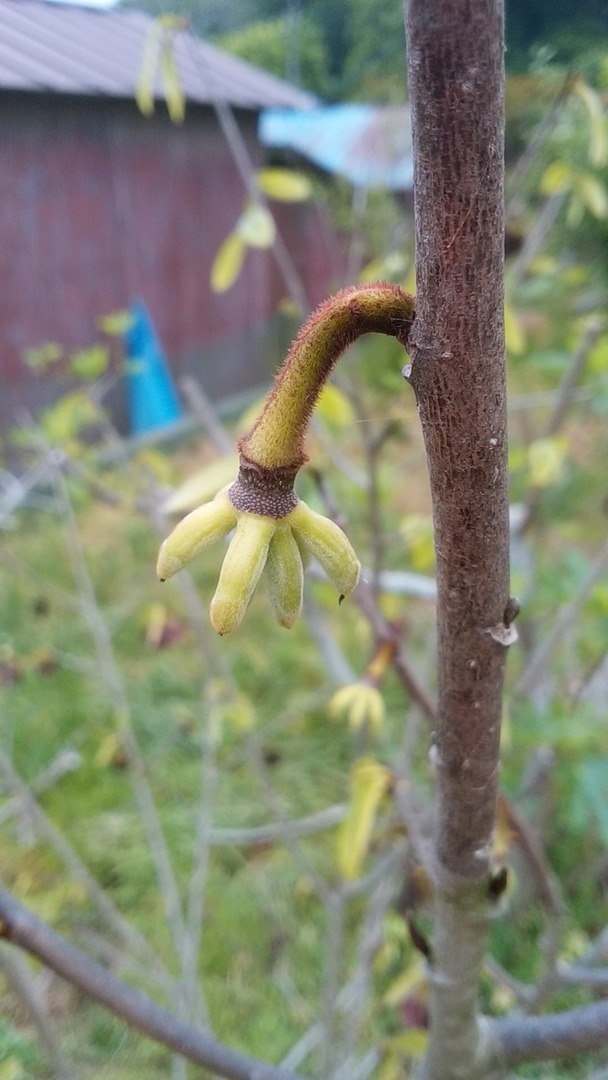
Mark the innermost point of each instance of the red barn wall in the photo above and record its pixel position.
(100, 207)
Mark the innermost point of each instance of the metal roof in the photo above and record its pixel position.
(60, 48)
(371, 145)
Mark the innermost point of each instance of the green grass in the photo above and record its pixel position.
(263, 941)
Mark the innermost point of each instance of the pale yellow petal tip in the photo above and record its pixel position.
(195, 533)
(326, 541)
(225, 616)
(166, 565)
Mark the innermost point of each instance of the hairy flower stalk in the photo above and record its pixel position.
(273, 528)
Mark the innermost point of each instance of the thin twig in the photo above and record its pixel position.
(560, 628)
(535, 239)
(21, 982)
(115, 690)
(206, 415)
(563, 400)
(48, 831)
(335, 914)
(20, 927)
(518, 1039)
(279, 832)
(534, 145)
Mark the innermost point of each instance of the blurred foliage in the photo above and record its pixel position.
(355, 50)
(261, 700)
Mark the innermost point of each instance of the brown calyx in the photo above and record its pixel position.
(268, 492)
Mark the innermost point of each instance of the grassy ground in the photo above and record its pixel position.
(258, 704)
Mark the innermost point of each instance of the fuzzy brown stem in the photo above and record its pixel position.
(277, 438)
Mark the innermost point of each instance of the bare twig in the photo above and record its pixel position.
(563, 400)
(560, 628)
(20, 927)
(534, 145)
(279, 832)
(382, 631)
(115, 690)
(535, 239)
(21, 982)
(519, 1039)
(130, 937)
(205, 414)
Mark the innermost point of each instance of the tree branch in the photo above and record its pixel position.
(520, 1039)
(456, 345)
(20, 927)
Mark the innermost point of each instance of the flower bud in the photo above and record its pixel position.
(360, 704)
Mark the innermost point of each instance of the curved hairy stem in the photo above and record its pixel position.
(276, 441)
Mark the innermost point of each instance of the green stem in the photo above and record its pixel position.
(276, 440)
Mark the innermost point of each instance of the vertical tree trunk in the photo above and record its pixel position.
(455, 62)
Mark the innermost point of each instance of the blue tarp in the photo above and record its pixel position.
(153, 400)
(369, 145)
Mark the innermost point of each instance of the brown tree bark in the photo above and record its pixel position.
(455, 68)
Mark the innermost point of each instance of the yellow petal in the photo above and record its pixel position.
(196, 532)
(241, 570)
(285, 576)
(369, 782)
(341, 700)
(326, 541)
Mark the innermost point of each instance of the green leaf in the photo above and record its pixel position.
(411, 1043)
(406, 981)
(546, 460)
(11, 1069)
(174, 94)
(334, 407)
(256, 226)
(417, 531)
(598, 357)
(116, 323)
(369, 783)
(43, 356)
(90, 363)
(598, 128)
(514, 335)
(593, 194)
(557, 178)
(65, 420)
(144, 89)
(227, 263)
(284, 185)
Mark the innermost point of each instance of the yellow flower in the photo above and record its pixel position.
(360, 704)
(260, 540)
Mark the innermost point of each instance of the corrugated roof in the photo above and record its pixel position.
(371, 145)
(64, 49)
